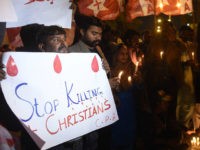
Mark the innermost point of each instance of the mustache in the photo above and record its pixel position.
(63, 48)
(96, 42)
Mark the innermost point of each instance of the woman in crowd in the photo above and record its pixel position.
(123, 131)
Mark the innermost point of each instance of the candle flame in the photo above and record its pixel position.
(136, 66)
(195, 141)
(120, 74)
(129, 79)
(193, 55)
(161, 54)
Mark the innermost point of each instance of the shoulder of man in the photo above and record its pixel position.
(74, 48)
(79, 47)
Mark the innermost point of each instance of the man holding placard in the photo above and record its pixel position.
(91, 30)
(51, 39)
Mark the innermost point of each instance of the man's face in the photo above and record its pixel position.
(56, 43)
(92, 37)
(123, 55)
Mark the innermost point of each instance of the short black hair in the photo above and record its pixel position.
(85, 22)
(129, 34)
(28, 34)
(47, 31)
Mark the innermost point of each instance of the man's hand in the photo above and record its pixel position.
(114, 83)
(105, 65)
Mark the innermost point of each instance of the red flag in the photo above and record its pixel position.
(136, 8)
(102, 9)
(174, 7)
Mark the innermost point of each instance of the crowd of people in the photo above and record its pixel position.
(151, 76)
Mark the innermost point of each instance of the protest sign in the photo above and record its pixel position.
(58, 97)
(7, 11)
(47, 12)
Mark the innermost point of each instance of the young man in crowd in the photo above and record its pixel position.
(53, 39)
(48, 39)
(91, 30)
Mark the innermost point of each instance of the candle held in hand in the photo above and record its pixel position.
(120, 74)
(161, 54)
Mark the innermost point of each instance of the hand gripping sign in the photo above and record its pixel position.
(58, 97)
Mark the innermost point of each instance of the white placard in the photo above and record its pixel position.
(7, 11)
(58, 97)
(47, 12)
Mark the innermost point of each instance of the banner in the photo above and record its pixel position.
(58, 97)
(174, 7)
(47, 12)
(137, 8)
(102, 9)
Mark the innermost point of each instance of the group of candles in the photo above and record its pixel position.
(140, 59)
(162, 53)
(120, 75)
(195, 143)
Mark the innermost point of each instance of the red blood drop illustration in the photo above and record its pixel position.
(57, 64)
(11, 67)
(95, 65)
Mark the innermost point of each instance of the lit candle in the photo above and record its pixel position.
(197, 141)
(192, 55)
(136, 66)
(140, 60)
(120, 74)
(161, 54)
(143, 56)
(194, 141)
(129, 79)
